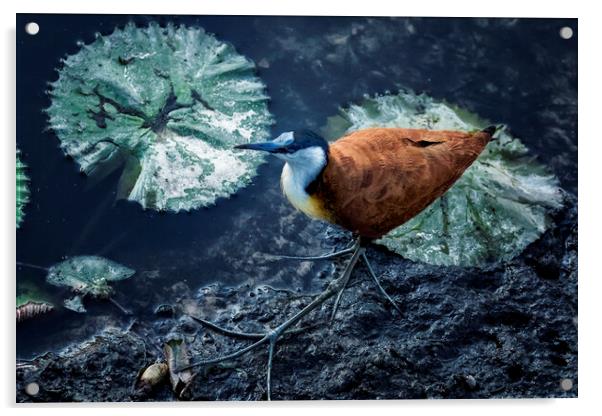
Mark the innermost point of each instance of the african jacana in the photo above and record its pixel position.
(368, 182)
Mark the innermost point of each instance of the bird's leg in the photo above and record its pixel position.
(380, 288)
(271, 337)
(360, 251)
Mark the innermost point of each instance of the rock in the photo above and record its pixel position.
(471, 382)
(165, 311)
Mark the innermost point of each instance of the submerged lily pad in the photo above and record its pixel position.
(32, 309)
(166, 104)
(29, 290)
(87, 275)
(501, 204)
(22, 196)
(32, 299)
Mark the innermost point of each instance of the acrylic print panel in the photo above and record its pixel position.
(170, 168)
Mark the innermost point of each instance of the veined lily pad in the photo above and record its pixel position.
(166, 104)
(87, 276)
(499, 206)
(22, 189)
(32, 309)
(32, 300)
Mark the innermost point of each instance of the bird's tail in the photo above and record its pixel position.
(492, 130)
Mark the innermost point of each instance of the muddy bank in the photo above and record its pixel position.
(507, 331)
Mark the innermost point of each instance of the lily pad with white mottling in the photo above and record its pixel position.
(166, 104)
(501, 203)
(22, 195)
(87, 276)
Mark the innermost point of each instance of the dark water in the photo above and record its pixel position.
(514, 71)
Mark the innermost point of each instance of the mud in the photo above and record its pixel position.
(505, 331)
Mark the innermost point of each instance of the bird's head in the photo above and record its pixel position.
(299, 148)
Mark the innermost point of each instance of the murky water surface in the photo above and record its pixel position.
(514, 71)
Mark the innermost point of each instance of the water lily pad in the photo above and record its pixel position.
(165, 105)
(31, 309)
(501, 204)
(88, 275)
(32, 299)
(29, 290)
(22, 196)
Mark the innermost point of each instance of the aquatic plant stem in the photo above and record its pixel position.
(121, 308)
(32, 266)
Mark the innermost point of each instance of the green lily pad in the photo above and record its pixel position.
(32, 300)
(500, 205)
(29, 291)
(165, 105)
(22, 196)
(87, 276)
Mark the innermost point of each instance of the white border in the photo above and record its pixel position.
(590, 178)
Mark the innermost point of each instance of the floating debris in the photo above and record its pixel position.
(166, 104)
(88, 276)
(150, 378)
(177, 358)
(501, 204)
(32, 309)
(154, 374)
(75, 304)
(22, 188)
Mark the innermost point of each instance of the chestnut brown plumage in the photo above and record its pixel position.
(377, 179)
(368, 182)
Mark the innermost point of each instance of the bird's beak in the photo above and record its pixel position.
(264, 146)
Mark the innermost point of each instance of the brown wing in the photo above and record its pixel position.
(377, 179)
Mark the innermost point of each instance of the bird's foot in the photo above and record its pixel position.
(381, 289)
(327, 256)
(269, 338)
(378, 285)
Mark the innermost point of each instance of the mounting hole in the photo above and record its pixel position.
(566, 384)
(566, 32)
(32, 389)
(32, 28)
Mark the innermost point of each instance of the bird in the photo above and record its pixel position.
(368, 182)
